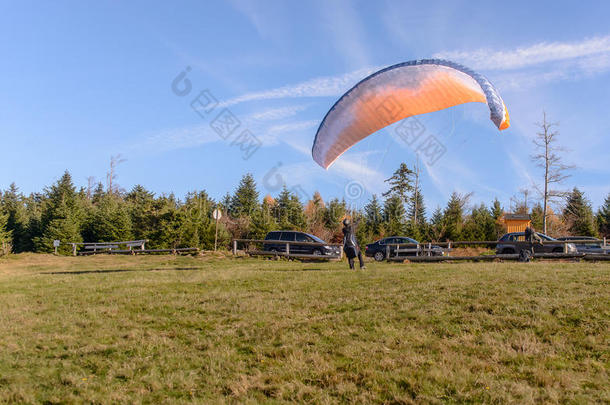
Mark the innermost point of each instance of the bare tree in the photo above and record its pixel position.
(520, 205)
(111, 176)
(547, 158)
(90, 185)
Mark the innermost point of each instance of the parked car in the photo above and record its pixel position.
(593, 247)
(514, 242)
(295, 236)
(378, 249)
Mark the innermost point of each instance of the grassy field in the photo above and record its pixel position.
(209, 330)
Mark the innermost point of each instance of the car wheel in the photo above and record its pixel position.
(317, 252)
(508, 251)
(379, 256)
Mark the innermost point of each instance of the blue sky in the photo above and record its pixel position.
(82, 81)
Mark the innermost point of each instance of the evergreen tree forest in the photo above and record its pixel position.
(30, 223)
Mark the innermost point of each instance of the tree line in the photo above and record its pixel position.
(62, 212)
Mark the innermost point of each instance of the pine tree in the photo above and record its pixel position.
(497, 212)
(5, 234)
(417, 209)
(108, 220)
(480, 225)
(61, 216)
(335, 212)
(394, 215)
(537, 216)
(167, 222)
(98, 193)
(33, 213)
(400, 183)
(142, 213)
(454, 216)
(436, 230)
(289, 211)
(245, 200)
(12, 202)
(263, 221)
(578, 214)
(225, 203)
(416, 214)
(198, 226)
(603, 218)
(373, 218)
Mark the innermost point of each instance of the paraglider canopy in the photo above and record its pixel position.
(398, 92)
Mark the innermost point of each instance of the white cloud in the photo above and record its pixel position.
(530, 55)
(328, 86)
(291, 127)
(274, 114)
(179, 138)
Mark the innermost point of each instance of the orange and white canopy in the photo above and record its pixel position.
(398, 92)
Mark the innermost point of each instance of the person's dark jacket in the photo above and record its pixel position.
(350, 242)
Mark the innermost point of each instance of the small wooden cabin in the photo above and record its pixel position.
(516, 222)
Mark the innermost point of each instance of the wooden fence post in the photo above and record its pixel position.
(387, 252)
(234, 247)
(449, 249)
(287, 249)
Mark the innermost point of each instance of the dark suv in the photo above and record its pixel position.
(378, 249)
(295, 236)
(515, 242)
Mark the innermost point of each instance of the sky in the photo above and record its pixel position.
(81, 82)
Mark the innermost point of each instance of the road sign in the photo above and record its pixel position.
(217, 214)
(56, 243)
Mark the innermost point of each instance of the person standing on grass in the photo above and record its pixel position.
(350, 244)
(531, 237)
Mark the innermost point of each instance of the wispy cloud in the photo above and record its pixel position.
(292, 127)
(327, 86)
(178, 138)
(532, 55)
(274, 114)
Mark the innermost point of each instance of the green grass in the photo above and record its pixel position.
(183, 329)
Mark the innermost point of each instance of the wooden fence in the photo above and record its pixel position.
(426, 251)
(284, 249)
(132, 247)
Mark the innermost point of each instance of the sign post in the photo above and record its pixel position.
(216, 215)
(56, 245)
